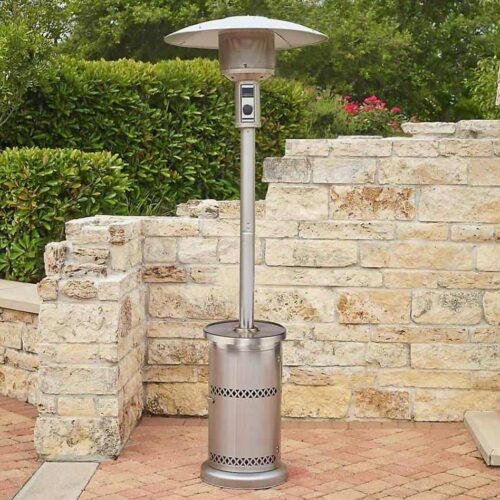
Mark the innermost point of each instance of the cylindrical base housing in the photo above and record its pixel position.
(244, 401)
(243, 480)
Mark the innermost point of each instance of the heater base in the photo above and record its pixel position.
(241, 480)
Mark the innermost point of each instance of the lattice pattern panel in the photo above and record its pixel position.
(242, 462)
(243, 393)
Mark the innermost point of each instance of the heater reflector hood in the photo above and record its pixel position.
(206, 35)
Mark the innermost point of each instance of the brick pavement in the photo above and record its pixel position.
(18, 460)
(326, 460)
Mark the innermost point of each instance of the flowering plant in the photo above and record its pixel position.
(345, 115)
(372, 105)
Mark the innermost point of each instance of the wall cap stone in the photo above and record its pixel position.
(19, 296)
(198, 208)
(429, 129)
(464, 129)
(478, 129)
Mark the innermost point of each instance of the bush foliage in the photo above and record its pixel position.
(483, 86)
(29, 30)
(172, 123)
(43, 188)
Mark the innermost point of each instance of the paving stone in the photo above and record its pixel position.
(60, 480)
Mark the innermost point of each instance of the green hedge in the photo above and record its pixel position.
(43, 188)
(483, 87)
(172, 123)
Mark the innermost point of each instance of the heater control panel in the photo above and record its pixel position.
(247, 100)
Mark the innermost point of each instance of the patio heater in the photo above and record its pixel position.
(245, 356)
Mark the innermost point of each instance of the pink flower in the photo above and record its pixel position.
(372, 99)
(352, 109)
(318, 98)
(347, 97)
(396, 109)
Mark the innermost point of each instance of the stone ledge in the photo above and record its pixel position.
(429, 129)
(19, 296)
(464, 129)
(478, 129)
(484, 427)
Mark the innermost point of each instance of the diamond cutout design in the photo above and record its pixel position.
(243, 393)
(242, 462)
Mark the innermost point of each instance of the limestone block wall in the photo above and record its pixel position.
(380, 256)
(18, 354)
(91, 340)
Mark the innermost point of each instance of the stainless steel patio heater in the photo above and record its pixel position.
(245, 355)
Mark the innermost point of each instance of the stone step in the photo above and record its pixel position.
(484, 427)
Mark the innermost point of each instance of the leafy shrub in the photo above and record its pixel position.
(484, 87)
(337, 115)
(172, 123)
(43, 188)
(28, 32)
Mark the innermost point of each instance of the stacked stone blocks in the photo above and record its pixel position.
(380, 256)
(19, 355)
(91, 340)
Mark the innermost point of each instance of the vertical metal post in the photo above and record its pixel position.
(247, 95)
(247, 228)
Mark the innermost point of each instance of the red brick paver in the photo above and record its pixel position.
(18, 460)
(325, 460)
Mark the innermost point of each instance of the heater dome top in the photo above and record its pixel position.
(206, 35)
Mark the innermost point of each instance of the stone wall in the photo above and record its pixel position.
(91, 340)
(380, 256)
(18, 354)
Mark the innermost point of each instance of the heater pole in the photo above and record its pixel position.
(247, 228)
(247, 97)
